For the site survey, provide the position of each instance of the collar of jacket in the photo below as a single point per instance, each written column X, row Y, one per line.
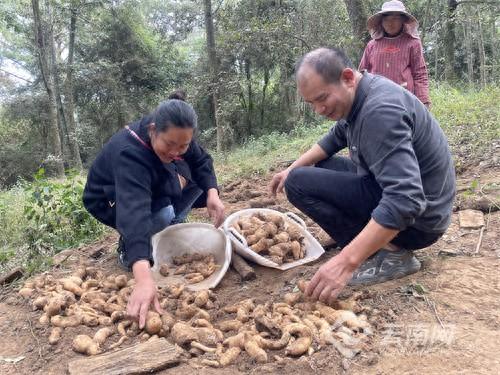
column 360, row 96
column 141, row 129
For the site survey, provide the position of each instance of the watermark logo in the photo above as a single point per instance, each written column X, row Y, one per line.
column 418, row 336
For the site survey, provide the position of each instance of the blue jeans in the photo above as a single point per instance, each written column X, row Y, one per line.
column 341, row 202
column 177, row 213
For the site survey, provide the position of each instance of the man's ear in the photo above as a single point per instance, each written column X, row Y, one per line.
column 348, row 76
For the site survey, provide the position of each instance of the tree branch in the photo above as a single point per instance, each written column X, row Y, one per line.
column 14, row 75
column 301, row 39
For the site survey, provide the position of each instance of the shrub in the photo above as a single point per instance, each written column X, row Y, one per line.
column 13, row 222
column 56, row 216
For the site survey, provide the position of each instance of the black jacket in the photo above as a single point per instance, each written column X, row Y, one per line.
column 127, row 183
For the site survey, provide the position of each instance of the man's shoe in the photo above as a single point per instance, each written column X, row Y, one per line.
column 385, row 265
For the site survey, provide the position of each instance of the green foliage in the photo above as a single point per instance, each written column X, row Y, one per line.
column 5, row 256
column 13, row 220
column 416, row 290
column 474, row 185
column 123, row 69
column 41, row 218
column 21, row 152
column 470, row 118
column 56, row 218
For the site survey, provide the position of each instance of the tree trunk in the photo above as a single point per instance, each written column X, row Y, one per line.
column 423, row 25
column 482, row 54
column 358, row 17
column 250, row 106
column 76, row 161
column 61, row 117
column 287, row 88
column 493, row 74
column 263, row 104
column 436, row 62
column 54, row 161
column 449, row 46
column 121, row 116
column 469, row 54
column 214, row 69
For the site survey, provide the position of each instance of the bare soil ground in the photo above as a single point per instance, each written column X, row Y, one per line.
column 444, row 319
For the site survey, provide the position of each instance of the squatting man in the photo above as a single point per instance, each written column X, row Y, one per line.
column 394, row 192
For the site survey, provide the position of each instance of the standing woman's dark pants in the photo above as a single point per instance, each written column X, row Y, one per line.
column 341, row 201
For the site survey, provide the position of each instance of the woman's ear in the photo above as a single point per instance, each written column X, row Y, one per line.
column 151, row 129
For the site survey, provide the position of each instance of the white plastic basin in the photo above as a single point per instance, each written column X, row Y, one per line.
column 313, row 248
column 179, row 239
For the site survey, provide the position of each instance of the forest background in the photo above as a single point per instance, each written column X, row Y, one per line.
column 73, row 72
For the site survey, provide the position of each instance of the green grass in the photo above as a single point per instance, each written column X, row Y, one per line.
column 13, row 221
column 469, row 116
column 258, row 155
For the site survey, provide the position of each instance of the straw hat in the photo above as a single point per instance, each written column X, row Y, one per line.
column 374, row 23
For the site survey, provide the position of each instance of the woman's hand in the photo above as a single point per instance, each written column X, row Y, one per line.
column 144, row 294
column 215, row 207
column 330, row 279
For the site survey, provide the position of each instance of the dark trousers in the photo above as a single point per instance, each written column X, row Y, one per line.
column 341, row 202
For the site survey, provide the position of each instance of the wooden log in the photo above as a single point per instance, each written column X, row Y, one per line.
column 146, row 357
column 241, row 266
column 12, row 275
column 261, row 203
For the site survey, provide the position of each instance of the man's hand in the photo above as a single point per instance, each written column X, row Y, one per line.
column 330, row 279
column 334, row 275
column 143, row 295
column 278, row 181
column 215, row 207
column 310, row 157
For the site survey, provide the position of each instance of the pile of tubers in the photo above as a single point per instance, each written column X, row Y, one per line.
column 195, row 267
column 88, row 298
column 272, row 236
column 296, row 326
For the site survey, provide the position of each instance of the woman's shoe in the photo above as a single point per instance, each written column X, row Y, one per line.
column 121, row 255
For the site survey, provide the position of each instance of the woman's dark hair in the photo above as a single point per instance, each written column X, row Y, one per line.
column 178, row 94
column 175, row 112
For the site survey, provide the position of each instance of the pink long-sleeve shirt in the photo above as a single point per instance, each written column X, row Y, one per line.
column 400, row 59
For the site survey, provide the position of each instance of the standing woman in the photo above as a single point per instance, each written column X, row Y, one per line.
column 147, row 177
column 395, row 50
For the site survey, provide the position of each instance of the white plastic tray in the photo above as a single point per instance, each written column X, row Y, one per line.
column 313, row 249
column 179, row 239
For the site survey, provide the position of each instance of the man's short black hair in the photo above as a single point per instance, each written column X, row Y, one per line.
column 328, row 62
